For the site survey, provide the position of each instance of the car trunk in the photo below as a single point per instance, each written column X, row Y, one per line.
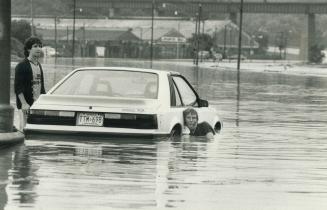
column 114, row 112
column 98, row 103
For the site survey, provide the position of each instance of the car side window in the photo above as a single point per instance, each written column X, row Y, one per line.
column 188, row 96
column 178, row 98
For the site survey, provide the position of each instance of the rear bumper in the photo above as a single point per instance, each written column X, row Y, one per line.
column 34, row 130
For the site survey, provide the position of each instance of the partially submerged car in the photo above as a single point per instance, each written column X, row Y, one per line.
column 118, row 101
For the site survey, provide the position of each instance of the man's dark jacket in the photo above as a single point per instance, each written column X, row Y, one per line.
column 202, row 129
column 23, row 82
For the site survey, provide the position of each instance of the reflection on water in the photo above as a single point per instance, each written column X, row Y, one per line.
column 270, row 155
column 5, row 165
column 116, row 173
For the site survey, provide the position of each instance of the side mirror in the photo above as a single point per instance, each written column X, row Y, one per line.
column 203, row 103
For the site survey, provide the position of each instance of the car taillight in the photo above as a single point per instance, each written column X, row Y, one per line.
column 52, row 113
column 51, row 117
column 128, row 120
column 120, row 116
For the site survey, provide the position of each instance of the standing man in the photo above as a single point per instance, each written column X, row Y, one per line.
column 193, row 128
column 29, row 80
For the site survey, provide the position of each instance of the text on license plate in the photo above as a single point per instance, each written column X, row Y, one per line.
column 90, row 119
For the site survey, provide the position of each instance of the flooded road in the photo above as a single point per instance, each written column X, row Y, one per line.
column 271, row 154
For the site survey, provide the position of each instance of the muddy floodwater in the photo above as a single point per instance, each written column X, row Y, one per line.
column 271, row 153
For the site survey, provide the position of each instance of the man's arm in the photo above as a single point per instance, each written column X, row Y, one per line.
column 25, row 105
column 42, row 80
column 19, row 85
column 209, row 131
column 19, row 79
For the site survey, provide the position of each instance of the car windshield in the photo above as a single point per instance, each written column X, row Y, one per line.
column 110, row 83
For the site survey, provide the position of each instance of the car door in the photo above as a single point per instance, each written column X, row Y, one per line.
column 185, row 96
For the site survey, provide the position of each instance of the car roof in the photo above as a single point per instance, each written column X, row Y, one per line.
column 156, row 71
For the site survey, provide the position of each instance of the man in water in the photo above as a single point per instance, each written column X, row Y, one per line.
column 191, row 119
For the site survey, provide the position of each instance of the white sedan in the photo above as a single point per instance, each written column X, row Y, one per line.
column 118, row 101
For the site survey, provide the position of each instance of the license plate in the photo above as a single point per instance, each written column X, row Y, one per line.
column 90, row 119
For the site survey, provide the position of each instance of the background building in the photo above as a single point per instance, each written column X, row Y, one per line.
column 130, row 38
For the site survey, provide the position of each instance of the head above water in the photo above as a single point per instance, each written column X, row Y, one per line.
column 190, row 111
column 29, row 43
column 191, row 118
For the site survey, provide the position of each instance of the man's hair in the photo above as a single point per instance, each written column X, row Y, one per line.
column 190, row 111
column 29, row 43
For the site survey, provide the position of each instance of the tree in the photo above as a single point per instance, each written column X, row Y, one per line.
column 16, row 49
column 41, row 7
column 315, row 54
column 205, row 41
column 281, row 42
column 263, row 40
column 21, row 30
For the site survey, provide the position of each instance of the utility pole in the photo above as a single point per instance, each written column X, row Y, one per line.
column 231, row 38
column 56, row 47
column 6, row 111
column 198, row 35
column 202, row 36
column 7, row 134
column 74, row 17
column 224, row 52
column 32, row 19
column 238, row 97
column 285, row 45
column 152, row 23
column 195, row 38
column 84, row 41
column 240, row 40
column 177, row 46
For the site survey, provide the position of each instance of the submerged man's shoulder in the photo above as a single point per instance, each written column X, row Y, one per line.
column 202, row 129
column 204, row 124
column 206, row 127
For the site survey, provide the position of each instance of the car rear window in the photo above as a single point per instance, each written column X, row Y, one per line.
column 110, row 83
